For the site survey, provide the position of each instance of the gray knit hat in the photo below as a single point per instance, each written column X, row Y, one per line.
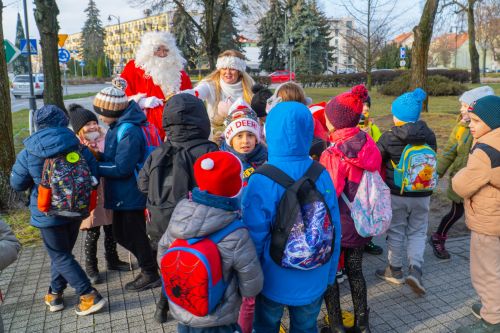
column 469, row 97
column 112, row 101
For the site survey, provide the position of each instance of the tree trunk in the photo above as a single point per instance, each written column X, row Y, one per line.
column 474, row 55
column 420, row 48
column 7, row 155
column 485, row 50
column 369, row 49
column 46, row 12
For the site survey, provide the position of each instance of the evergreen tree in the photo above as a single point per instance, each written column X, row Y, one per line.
column 92, row 35
column 310, row 30
column 21, row 63
column 186, row 38
column 271, row 29
column 100, row 67
column 229, row 34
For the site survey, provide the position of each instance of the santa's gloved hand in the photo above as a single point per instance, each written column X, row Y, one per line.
column 150, row 102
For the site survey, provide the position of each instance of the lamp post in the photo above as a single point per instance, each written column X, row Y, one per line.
column 110, row 17
column 32, row 97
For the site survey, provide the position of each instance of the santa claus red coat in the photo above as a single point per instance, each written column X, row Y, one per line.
column 138, row 82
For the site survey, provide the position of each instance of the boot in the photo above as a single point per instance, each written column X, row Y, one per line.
column 145, row 280
column 332, row 302
column 91, row 255
column 162, row 315
column 437, row 243
column 361, row 322
column 113, row 262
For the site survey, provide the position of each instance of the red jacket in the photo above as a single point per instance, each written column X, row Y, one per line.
column 353, row 151
column 137, row 83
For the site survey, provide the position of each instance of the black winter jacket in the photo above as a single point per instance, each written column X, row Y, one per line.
column 392, row 143
column 167, row 175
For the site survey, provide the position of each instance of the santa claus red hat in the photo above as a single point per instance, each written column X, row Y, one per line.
column 218, row 173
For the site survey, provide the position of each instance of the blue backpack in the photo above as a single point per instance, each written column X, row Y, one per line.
column 417, row 169
column 152, row 140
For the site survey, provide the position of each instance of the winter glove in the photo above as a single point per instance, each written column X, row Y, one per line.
column 150, row 102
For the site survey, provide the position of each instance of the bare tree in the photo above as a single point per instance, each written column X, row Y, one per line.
column 488, row 28
column 373, row 21
column 7, row 155
column 213, row 13
column 46, row 12
column 441, row 50
column 420, row 49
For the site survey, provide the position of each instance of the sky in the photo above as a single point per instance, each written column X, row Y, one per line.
column 72, row 17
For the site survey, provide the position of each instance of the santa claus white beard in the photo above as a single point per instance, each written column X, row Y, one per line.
column 165, row 73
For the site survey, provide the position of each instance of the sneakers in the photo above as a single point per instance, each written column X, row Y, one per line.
column 437, row 243
column 340, row 276
column 476, row 310
column 480, row 327
column 143, row 281
column 54, row 301
column 90, row 303
column 371, row 248
column 414, row 280
column 391, row 274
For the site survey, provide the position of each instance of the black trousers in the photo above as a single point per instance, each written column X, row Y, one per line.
column 129, row 230
column 455, row 213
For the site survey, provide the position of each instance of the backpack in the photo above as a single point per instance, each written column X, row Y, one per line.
column 191, row 272
column 417, row 169
column 302, row 235
column 152, row 140
column 371, row 208
column 67, row 186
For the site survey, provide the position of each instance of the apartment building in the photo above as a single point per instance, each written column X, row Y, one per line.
column 340, row 30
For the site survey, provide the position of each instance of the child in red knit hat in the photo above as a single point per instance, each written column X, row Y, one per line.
column 214, row 207
column 353, row 151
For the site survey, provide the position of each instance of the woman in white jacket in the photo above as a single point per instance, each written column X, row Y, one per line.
column 223, row 87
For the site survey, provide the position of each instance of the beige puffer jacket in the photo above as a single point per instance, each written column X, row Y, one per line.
column 479, row 184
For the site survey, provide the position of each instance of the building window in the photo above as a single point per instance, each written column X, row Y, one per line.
column 349, row 24
column 336, row 32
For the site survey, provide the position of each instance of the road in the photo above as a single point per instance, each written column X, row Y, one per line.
column 23, row 103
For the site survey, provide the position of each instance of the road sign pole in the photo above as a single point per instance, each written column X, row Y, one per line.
column 32, row 98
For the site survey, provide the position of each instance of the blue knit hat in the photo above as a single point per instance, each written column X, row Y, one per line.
column 50, row 116
column 408, row 106
column 488, row 110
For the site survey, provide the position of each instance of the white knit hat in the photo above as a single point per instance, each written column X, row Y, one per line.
column 241, row 118
column 469, row 97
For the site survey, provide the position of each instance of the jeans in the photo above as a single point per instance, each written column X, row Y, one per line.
column 234, row 328
column 59, row 242
column 303, row 319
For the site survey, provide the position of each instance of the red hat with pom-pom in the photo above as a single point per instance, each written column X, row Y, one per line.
column 218, row 173
column 344, row 110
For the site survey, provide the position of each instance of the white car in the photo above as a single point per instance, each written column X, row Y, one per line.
column 20, row 85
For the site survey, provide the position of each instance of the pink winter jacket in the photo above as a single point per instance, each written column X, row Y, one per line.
column 352, row 152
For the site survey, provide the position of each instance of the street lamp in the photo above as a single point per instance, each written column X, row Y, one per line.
column 110, row 17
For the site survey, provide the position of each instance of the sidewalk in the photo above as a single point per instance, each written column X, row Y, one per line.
column 445, row 307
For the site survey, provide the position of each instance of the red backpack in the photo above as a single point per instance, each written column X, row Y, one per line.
column 191, row 272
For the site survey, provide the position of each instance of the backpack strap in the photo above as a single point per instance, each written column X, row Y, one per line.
column 275, row 174
column 314, row 171
column 122, row 128
column 346, row 200
column 219, row 235
column 492, row 153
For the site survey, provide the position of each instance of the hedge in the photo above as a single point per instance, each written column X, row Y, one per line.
column 437, row 85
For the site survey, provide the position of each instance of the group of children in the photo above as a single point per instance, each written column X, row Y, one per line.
column 238, row 195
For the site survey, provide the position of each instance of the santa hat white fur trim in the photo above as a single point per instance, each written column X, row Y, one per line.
column 231, row 62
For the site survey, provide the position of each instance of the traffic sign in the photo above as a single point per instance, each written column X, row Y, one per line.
column 24, row 47
column 61, row 39
column 402, row 52
column 82, row 63
column 11, row 51
column 64, row 55
column 402, row 63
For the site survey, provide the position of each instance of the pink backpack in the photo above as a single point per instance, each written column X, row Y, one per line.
column 371, row 209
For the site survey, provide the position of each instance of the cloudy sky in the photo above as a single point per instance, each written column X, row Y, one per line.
column 72, row 17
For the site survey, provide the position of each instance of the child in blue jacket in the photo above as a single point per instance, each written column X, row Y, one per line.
column 289, row 133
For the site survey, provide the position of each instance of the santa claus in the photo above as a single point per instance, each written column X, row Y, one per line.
column 155, row 75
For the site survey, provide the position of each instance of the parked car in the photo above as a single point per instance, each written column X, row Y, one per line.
column 21, row 85
column 281, row 76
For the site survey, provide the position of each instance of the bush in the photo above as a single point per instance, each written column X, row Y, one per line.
column 437, row 85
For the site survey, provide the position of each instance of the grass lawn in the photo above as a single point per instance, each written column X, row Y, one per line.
column 441, row 118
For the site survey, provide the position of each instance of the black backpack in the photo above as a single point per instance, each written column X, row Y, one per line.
column 302, row 235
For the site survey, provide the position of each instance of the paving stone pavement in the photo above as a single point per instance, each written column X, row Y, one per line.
column 444, row 308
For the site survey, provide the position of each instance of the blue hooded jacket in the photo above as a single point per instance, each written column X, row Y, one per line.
column 51, row 138
column 120, row 160
column 289, row 134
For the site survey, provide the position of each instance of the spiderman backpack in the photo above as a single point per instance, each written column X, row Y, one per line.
column 191, row 272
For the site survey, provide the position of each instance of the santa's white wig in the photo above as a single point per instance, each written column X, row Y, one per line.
column 165, row 72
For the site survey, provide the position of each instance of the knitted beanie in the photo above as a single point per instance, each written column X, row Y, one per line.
column 241, row 118
column 344, row 110
column 488, row 110
column 408, row 106
column 49, row 116
column 79, row 117
column 218, row 173
column 259, row 100
column 469, row 97
column 112, row 101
